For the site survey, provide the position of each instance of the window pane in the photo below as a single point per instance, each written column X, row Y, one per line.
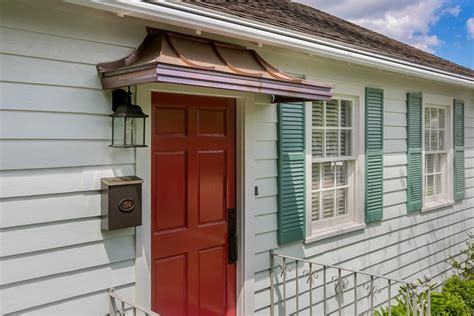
column 427, row 140
column 341, row 174
column 317, row 143
column 346, row 114
column 318, row 114
column 316, row 176
column 331, row 113
column 439, row 160
column 328, row 175
column 345, row 142
column 328, row 204
column 331, row 143
column 442, row 118
column 441, row 140
column 434, row 140
column 434, row 118
column 430, row 185
column 427, row 117
column 430, row 163
column 341, row 202
column 438, row 184
column 315, row 205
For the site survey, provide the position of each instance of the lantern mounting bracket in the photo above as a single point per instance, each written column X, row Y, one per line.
column 120, row 96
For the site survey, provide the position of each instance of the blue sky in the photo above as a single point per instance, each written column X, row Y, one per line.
column 441, row 27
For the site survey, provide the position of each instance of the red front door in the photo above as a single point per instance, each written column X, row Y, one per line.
column 193, row 186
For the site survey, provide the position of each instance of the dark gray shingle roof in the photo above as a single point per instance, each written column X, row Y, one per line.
column 308, row 20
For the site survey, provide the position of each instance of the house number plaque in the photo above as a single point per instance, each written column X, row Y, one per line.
column 127, row 205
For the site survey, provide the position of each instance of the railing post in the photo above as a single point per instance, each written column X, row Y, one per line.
column 371, row 289
column 355, row 293
column 389, row 297
column 414, row 302
column 311, row 289
column 284, row 285
column 272, row 284
column 324, row 291
column 428, row 302
column 341, row 292
column 297, row 290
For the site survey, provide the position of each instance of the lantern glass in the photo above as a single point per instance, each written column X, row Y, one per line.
column 118, row 132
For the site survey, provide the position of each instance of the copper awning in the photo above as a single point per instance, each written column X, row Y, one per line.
column 176, row 58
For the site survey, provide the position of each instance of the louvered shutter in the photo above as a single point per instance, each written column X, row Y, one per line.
column 414, row 154
column 373, row 154
column 458, row 150
column 291, row 172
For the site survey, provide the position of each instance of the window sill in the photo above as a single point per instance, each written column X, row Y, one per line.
column 435, row 206
column 334, row 231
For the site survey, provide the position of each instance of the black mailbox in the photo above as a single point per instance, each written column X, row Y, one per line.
column 121, row 202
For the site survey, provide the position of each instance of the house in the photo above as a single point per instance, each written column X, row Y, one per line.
column 274, row 131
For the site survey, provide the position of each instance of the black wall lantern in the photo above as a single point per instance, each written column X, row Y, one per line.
column 128, row 121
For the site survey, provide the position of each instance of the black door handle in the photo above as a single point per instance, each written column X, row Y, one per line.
column 232, row 235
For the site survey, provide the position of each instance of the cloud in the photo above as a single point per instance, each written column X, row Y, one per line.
column 454, row 11
column 470, row 27
column 408, row 21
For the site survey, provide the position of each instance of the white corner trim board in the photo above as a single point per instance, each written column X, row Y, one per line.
column 184, row 15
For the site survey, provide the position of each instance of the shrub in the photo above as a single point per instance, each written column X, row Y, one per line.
column 464, row 288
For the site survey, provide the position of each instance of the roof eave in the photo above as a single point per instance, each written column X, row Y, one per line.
column 182, row 14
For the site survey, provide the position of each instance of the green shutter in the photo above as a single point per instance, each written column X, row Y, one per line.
column 458, row 150
column 414, row 154
column 291, row 172
column 373, row 154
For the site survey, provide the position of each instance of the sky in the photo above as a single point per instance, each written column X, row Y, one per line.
column 442, row 27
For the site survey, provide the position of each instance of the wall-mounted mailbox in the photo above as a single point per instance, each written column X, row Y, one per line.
column 121, row 202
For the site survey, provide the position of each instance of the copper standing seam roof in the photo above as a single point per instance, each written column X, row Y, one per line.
column 183, row 59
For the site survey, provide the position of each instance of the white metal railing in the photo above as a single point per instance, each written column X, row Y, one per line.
column 120, row 306
column 307, row 287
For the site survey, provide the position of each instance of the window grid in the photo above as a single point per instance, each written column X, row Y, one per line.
column 339, row 164
column 435, row 150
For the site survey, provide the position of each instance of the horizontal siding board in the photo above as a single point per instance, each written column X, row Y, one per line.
column 46, row 153
column 394, row 146
column 68, row 21
column 35, row 154
column 87, row 304
column 60, row 180
column 27, row 97
column 265, row 168
column 265, row 205
column 43, row 71
column 51, row 208
column 28, row 239
column 267, row 131
column 266, row 150
column 387, row 230
column 395, row 119
column 47, row 125
column 56, row 261
column 48, row 290
column 26, row 43
column 267, row 187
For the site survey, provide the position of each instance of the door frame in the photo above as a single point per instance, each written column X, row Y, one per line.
column 245, row 165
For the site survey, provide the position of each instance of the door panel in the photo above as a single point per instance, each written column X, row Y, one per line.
column 193, row 185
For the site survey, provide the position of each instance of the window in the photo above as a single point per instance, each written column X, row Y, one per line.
column 332, row 163
column 436, row 151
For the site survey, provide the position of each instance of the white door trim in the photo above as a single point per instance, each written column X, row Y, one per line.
column 245, row 168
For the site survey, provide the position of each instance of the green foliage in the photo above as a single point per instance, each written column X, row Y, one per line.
column 445, row 303
column 463, row 288
column 456, row 297
column 464, row 266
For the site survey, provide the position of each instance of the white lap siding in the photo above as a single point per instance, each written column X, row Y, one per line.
column 54, row 137
column 401, row 245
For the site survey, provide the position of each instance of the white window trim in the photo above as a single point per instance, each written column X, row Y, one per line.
column 356, row 178
column 449, row 177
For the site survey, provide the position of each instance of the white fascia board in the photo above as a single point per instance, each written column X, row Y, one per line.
column 185, row 15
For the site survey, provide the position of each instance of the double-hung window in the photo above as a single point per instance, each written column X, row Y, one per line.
column 436, row 149
column 332, row 163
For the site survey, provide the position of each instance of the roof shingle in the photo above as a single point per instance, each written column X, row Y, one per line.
column 308, row 20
